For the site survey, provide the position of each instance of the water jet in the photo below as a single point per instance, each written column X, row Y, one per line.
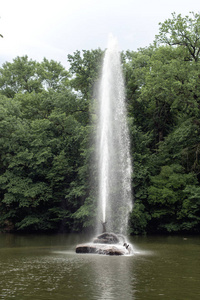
column 113, row 159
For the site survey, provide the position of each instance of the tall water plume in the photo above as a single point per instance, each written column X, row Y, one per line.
column 113, row 145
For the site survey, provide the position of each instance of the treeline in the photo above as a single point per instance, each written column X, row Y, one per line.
column 46, row 145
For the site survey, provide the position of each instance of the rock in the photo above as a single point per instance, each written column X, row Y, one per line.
column 106, row 243
column 101, row 249
column 101, row 241
column 107, row 238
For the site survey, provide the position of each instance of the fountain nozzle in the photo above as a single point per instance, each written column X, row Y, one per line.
column 104, row 226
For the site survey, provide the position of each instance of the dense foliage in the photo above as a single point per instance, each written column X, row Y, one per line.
column 46, row 146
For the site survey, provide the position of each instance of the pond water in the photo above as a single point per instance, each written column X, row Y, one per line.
column 47, row 267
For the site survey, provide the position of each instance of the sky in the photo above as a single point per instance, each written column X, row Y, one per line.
column 56, row 28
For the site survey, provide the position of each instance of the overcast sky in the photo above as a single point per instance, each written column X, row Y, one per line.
column 55, row 28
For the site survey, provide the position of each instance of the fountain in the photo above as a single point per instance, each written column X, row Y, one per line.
column 113, row 156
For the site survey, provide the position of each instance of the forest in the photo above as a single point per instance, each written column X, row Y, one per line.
column 46, row 146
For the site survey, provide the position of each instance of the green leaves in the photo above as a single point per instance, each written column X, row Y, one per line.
column 46, row 149
column 163, row 103
column 19, row 76
column 182, row 31
column 86, row 68
column 53, row 75
column 27, row 76
column 22, row 190
column 167, row 196
column 41, row 138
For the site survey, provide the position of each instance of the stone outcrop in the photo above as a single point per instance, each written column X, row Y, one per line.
column 107, row 238
column 101, row 249
column 107, row 244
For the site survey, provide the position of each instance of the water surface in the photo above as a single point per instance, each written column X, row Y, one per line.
column 47, row 267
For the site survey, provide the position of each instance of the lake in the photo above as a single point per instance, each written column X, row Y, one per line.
column 47, row 267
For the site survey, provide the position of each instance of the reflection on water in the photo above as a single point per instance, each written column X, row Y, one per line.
column 46, row 267
column 113, row 277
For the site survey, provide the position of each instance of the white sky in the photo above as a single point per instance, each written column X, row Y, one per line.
column 55, row 28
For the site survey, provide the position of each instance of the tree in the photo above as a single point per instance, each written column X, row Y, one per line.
column 163, row 102
column 143, row 168
column 43, row 173
column 46, row 149
column 19, row 76
column 169, row 196
column 182, row 31
column 53, row 75
column 85, row 68
column 27, row 76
